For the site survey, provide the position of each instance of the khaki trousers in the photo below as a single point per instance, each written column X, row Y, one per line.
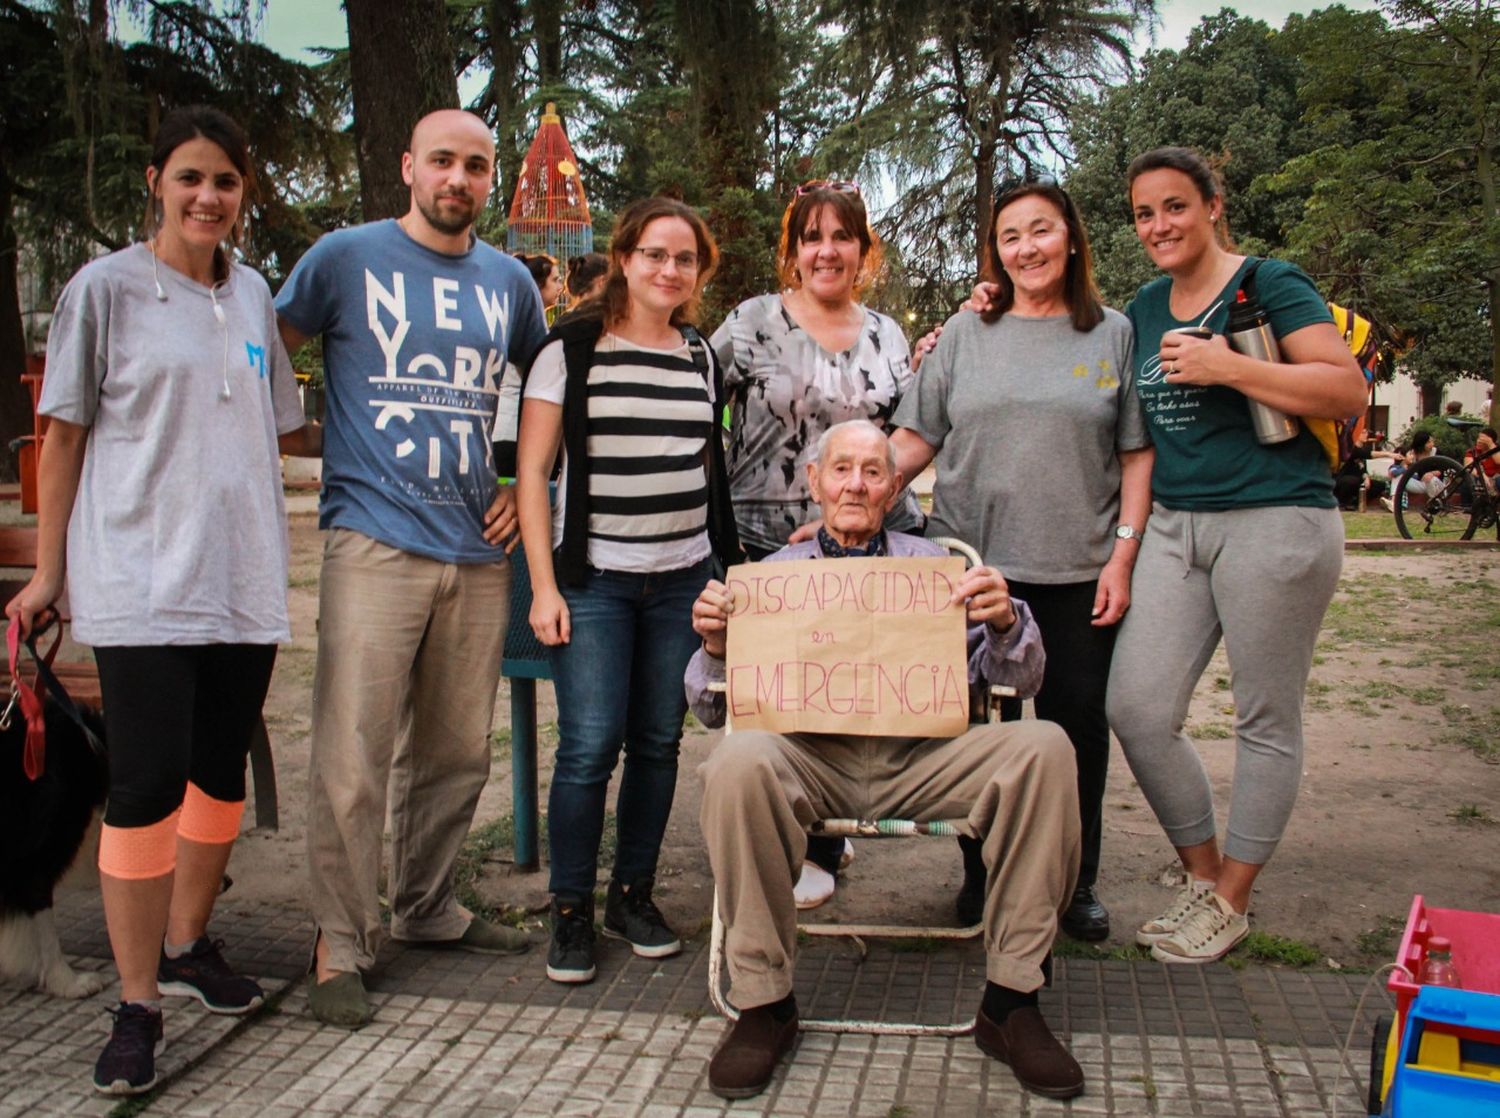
column 408, row 664
column 1011, row 783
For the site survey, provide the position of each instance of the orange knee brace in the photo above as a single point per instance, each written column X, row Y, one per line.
column 137, row 853
column 205, row 819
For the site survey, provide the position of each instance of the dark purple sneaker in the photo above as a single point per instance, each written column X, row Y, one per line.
column 127, row 1066
column 203, row 974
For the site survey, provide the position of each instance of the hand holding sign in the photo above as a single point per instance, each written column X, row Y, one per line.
column 711, row 617
column 849, row 646
column 988, row 598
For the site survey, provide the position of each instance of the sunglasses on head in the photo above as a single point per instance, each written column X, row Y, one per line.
column 838, row 186
column 1031, row 178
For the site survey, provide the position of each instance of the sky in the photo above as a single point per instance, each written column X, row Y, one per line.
column 291, row 26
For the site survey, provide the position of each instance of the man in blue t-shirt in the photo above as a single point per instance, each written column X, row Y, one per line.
column 418, row 318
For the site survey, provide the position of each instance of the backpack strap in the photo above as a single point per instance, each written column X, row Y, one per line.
column 1247, row 281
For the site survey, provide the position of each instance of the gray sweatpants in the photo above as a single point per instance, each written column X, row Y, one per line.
column 1261, row 578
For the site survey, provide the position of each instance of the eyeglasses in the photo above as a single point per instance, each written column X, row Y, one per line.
column 658, row 257
column 838, row 186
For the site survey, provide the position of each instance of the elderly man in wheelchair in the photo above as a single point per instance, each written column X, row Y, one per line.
column 1010, row 784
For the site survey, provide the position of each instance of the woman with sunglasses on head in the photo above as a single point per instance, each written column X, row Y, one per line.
column 796, row 362
column 160, row 497
column 1245, row 544
column 630, row 394
column 1043, row 375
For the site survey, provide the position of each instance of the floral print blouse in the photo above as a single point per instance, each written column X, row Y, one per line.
column 784, row 391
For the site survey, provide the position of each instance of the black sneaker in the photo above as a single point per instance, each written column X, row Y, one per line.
column 203, row 974
column 634, row 917
column 570, row 958
column 127, row 1066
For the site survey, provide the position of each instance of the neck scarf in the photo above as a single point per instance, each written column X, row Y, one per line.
column 832, row 549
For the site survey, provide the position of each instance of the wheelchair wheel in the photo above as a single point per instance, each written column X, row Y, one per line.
column 1442, row 509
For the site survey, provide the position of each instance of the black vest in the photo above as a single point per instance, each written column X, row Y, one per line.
column 579, row 335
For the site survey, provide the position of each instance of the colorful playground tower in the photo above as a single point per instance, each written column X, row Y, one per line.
column 549, row 212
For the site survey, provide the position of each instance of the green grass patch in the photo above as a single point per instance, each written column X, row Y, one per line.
column 1476, row 731
column 1372, row 524
column 1380, row 941
column 1209, row 731
column 1066, row 947
column 1427, row 696
column 1264, row 947
column 1469, row 815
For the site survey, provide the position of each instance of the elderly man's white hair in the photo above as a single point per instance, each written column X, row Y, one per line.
column 825, row 440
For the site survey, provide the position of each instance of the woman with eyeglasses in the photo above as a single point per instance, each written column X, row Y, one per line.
column 1245, row 544
column 632, row 396
column 796, row 362
column 1043, row 375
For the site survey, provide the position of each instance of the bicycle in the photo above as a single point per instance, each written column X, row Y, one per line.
column 1454, row 499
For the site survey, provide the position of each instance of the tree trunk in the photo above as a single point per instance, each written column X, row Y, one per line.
column 729, row 47
column 400, row 69
column 505, row 67
column 984, row 201
column 15, row 399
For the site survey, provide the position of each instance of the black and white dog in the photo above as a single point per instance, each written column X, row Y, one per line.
column 42, row 825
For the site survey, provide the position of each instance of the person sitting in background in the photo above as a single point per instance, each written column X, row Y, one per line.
column 1484, row 442
column 1421, row 447
column 1354, row 475
column 1008, row 784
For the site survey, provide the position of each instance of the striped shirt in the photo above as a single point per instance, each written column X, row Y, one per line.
column 650, row 414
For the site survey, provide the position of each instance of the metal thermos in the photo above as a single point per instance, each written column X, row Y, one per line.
column 1249, row 332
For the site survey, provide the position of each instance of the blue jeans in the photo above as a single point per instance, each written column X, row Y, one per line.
column 619, row 682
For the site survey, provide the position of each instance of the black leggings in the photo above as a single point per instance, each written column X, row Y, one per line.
column 174, row 713
column 1072, row 694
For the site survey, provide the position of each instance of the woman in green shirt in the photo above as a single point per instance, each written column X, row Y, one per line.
column 1244, row 543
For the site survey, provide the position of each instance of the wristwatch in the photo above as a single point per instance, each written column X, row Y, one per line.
column 1126, row 532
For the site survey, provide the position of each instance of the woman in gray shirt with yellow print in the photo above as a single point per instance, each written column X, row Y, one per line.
column 1043, row 462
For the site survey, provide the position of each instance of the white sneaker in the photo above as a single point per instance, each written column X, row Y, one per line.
column 814, row 886
column 847, row 856
column 1191, row 895
column 1206, row 934
column 1387, row 504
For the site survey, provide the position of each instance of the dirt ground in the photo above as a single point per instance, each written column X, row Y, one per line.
column 1401, row 790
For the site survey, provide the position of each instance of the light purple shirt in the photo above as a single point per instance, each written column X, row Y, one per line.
column 1014, row 658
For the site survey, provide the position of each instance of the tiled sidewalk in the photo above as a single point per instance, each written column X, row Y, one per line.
column 460, row 1034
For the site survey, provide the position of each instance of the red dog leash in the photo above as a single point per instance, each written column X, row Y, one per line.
column 31, row 699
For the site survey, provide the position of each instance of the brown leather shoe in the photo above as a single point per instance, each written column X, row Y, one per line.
column 747, row 1055
column 1039, row 1059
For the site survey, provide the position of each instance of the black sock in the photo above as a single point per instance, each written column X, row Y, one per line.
column 973, row 851
column 999, row 1001
column 825, row 851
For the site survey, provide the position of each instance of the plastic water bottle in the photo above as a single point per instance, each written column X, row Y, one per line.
column 1437, row 967
column 1249, row 332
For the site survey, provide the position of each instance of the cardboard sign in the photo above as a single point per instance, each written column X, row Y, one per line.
column 848, row 646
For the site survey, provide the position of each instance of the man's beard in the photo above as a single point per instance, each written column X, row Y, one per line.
column 445, row 224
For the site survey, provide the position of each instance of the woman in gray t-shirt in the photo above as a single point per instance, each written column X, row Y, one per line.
column 160, row 500
column 1043, row 462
